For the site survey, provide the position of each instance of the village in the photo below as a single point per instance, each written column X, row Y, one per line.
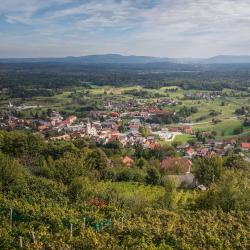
column 127, row 125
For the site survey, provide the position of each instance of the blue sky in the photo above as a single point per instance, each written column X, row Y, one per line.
column 173, row 28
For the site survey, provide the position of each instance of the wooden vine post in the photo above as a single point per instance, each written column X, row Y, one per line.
column 11, row 217
column 33, row 238
column 20, row 241
column 71, row 230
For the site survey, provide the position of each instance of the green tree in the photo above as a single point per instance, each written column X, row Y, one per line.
column 144, row 131
column 231, row 193
column 209, row 169
column 15, row 143
column 68, row 167
column 11, row 173
column 97, row 161
column 81, row 188
column 170, row 198
column 235, row 161
column 153, row 176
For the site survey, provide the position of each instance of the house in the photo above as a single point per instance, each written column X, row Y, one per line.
column 183, row 180
column 114, row 114
column 180, row 165
column 187, row 130
column 41, row 128
column 201, row 187
column 75, row 135
column 65, row 137
column 76, row 128
column 159, row 112
column 12, row 125
column 202, row 152
column 69, row 120
column 113, row 138
column 211, row 153
column 151, row 144
column 245, row 146
column 90, row 130
column 55, row 118
column 123, row 139
column 190, row 152
column 134, row 128
column 184, row 146
column 127, row 161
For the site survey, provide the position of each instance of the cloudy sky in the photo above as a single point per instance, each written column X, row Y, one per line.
column 173, row 28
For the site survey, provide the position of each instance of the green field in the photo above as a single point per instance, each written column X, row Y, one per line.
column 224, row 129
column 183, row 138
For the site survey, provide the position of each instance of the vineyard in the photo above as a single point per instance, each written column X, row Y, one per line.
column 64, row 195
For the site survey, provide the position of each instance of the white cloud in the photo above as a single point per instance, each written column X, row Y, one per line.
column 159, row 27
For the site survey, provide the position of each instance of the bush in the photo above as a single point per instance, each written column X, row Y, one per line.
column 12, row 173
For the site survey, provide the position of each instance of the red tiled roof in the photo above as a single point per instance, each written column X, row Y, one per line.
column 181, row 164
column 113, row 138
column 159, row 112
column 42, row 127
column 245, row 145
column 69, row 119
column 190, row 151
column 153, row 145
column 115, row 114
column 127, row 161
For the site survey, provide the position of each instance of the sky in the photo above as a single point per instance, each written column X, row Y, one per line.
column 163, row 28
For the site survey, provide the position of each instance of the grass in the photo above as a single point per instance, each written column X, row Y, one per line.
column 137, row 193
column 183, row 138
column 223, row 129
column 247, row 153
column 133, row 191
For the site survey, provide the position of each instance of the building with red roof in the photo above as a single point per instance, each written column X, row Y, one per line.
column 69, row 120
column 190, row 152
column 180, row 165
column 245, row 146
column 127, row 161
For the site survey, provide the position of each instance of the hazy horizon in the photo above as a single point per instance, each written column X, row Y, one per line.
column 159, row 28
column 66, row 56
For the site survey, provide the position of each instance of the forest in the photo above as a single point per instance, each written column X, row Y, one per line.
column 33, row 79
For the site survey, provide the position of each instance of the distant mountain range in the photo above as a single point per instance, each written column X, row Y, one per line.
column 120, row 59
column 228, row 59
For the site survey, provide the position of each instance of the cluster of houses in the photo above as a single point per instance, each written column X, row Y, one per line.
column 211, row 148
column 121, row 106
column 104, row 132
column 22, row 107
column 104, row 127
column 202, row 96
column 167, row 101
column 12, row 122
